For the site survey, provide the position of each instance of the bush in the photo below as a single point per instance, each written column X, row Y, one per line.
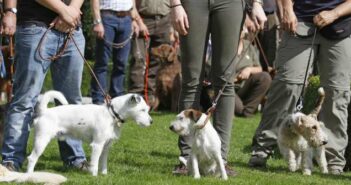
column 311, row 94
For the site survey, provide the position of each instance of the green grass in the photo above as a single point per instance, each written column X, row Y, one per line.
column 147, row 156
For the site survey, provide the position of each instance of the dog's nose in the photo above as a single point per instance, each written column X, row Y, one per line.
column 151, row 121
column 324, row 142
column 171, row 127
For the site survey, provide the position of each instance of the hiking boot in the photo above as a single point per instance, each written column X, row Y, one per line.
column 230, row 171
column 257, row 161
column 10, row 166
column 180, row 169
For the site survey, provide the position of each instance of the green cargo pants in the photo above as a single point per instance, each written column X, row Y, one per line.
column 334, row 65
column 223, row 19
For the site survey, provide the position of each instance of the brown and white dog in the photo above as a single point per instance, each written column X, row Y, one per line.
column 205, row 155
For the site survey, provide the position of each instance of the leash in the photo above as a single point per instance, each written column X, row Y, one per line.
column 211, row 110
column 120, row 44
column 68, row 38
column 299, row 104
column 146, row 73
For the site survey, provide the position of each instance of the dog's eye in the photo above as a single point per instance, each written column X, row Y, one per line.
column 314, row 127
column 180, row 118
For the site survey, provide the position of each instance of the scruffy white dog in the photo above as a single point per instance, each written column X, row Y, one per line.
column 35, row 177
column 206, row 147
column 96, row 124
column 302, row 137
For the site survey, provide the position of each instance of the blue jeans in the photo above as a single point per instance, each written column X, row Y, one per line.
column 117, row 30
column 28, row 81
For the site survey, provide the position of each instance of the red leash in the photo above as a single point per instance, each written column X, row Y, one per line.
column 147, row 63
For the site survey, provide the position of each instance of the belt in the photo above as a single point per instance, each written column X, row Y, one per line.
column 39, row 24
column 116, row 13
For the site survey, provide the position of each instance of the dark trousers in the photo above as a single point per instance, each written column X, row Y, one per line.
column 251, row 94
column 159, row 29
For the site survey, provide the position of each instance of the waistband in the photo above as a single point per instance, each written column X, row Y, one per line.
column 116, row 13
column 39, row 24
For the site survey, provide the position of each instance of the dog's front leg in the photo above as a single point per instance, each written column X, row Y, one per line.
column 292, row 160
column 220, row 164
column 104, row 156
column 306, row 162
column 321, row 159
column 95, row 156
column 195, row 166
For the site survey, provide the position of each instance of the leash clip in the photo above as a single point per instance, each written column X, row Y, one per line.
column 299, row 104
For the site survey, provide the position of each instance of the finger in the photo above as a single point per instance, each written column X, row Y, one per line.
column 186, row 21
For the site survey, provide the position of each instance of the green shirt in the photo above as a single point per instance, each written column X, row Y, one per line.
column 153, row 7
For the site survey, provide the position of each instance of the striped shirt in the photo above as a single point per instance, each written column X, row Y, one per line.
column 116, row 5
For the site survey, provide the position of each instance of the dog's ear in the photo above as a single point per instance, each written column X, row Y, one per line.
column 172, row 56
column 135, row 99
column 193, row 114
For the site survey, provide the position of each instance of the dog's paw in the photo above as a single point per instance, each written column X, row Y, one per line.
column 324, row 170
column 197, row 176
column 225, row 177
column 292, row 167
column 104, row 172
column 307, row 172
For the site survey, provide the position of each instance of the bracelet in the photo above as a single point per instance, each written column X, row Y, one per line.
column 97, row 21
column 173, row 6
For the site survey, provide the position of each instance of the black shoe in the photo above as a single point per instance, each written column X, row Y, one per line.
column 257, row 161
column 230, row 171
column 82, row 166
column 180, row 169
column 10, row 166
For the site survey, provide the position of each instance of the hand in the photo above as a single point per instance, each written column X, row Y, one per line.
column 71, row 15
column 325, row 18
column 143, row 28
column 61, row 25
column 180, row 20
column 258, row 16
column 135, row 28
column 250, row 25
column 288, row 21
column 99, row 30
column 8, row 25
column 244, row 74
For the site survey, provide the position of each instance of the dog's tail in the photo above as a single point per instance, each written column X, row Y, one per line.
column 49, row 97
column 35, row 177
column 320, row 101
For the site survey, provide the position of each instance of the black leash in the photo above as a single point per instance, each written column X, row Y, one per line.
column 299, row 104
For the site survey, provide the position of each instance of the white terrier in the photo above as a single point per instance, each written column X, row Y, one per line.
column 302, row 137
column 96, row 124
column 35, row 177
column 206, row 147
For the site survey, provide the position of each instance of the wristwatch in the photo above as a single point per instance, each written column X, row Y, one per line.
column 13, row 10
column 97, row 21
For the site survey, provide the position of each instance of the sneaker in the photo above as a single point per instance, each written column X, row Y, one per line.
column 230, row 171
column 180, row 169
column 10, row 166
column 257, row 161
column 335, row 171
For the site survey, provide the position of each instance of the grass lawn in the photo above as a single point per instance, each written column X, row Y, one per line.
column 147, row 156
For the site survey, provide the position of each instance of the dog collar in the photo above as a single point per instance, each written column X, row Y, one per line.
column 115, row 114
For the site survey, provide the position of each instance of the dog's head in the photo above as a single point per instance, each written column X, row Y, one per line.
column 309, row 128
column 187, row 121
column 165, row 52
column 133, row 106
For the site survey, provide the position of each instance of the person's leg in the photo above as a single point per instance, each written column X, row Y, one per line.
column 67, row 78
column 137, row 66
column 253, row 91
column 335, row 66
column 28, row 80
column 120, row 56
column 291, row 63
column 193, row 47
column 102, row 56
column 226, row 23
